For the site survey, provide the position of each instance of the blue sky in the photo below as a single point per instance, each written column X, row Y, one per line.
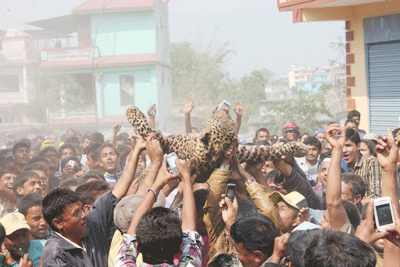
column 260, row 35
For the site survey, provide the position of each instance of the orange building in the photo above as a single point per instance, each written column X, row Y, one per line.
column 372, row 53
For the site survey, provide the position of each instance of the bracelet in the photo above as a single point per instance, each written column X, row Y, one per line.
column 154, row 192
column 249, row 181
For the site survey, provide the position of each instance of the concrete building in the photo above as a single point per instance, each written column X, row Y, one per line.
column 372, row 53
column 118, row 52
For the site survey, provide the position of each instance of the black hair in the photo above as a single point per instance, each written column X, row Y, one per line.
column 97, row 137
column 21, row 179
column 18, row 145
column 303, row 134
column 37, row 166
column 71, row 182
column 353, row 136
column 65, row 146
column 72, row 140
column 55, row 202
column 25, row 141
column 371, row 146
column 200, row 197
column 67, row 159
column 88, row 192
column 323, row 156
column 104, row 146
column 352, row 212
column 352, row 121
column 313, row 141
column 159, row 235
column 37, row 159
column 46, row 149
column 395, row 131
column 93, row 151
column 257, row 232
column 261, row 130
column 297, row 245
column 334, row 248
column 8, row 169
column 353, row 113
column 2, row 233
column 93, row 173
column 356, row 181
column 29, row 201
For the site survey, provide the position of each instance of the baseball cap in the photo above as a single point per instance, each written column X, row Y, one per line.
column 294, row 199
column 13, row 222
column 371, row 136
column 125, row 209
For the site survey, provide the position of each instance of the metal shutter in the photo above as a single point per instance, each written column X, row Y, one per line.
column 384, row 85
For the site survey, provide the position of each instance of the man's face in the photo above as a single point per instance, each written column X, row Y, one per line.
column 352, row 126
column 268, row 166
column 323, row 172
column 245, row 257
column 357, row 119
column 37, row 223
column 21, row 156
column 141, row 166
column 351, row 152
column 15, row 241
column 67, row 152
column 73, row 221
column 69, row 134
column 52, row 158
column 86, row 143
column 347, row 193
column 324, row 222
column 327, row 147
column 291, row 135
column 262, row 136
column 33, row 185
column 286, row 216
column 321, row 137
column 313, row 153
column 109, row 160
column 7, row 180
column 45, row 182
column 90, row 162
column 364, row 149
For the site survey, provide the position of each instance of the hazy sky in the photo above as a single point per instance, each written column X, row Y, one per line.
column 261, row 36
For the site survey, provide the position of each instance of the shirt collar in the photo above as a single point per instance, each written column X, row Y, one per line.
column 71, row 242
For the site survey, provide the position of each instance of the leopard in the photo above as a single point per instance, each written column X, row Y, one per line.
column 206, row 148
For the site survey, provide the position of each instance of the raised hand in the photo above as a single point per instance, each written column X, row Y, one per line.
column 229, row 210
column 238, row 109
column 334, row 139
column 154, row 148
column 116, row 128
column 387, row 151
column 189, row 104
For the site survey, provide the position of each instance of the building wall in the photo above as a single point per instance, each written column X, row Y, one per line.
column 145, row 81
column 358, row 90
column 124, row 33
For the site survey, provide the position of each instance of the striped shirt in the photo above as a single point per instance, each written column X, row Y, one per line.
column 371, row 173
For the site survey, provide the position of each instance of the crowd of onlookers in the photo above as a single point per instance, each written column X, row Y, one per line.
column 87, row 201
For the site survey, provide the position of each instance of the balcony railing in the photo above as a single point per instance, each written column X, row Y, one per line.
column 13, row 98
column 72, row 53
column 81, row 112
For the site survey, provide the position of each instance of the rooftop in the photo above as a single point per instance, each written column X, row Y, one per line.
column 97, row 6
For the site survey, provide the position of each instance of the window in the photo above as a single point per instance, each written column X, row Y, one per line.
column 127, row 90
column 9, row 83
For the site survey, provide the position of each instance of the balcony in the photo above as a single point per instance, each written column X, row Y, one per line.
column 81, row 112
column 13, row 98
column 71, row 53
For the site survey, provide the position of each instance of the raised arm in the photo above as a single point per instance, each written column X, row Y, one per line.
column 116, row 129
column 152, row 116
column 187, row 108
column 387, row 153
column 189, row 206
column 337, row 214
column 122, row 186
column 239, row 114
column 156, row 155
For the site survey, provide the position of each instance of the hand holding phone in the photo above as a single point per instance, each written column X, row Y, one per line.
column 171, row 162
column 383, row 211
column 224, row 105
column 230, row 191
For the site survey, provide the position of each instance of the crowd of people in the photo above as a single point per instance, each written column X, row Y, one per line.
column 87, row 201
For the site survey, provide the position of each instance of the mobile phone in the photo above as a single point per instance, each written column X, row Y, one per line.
column 152, row 110
column 72, row 163
column 171, row 162
column 383, row 211
column 224, row 105
column 22, row 251
column 230, row 191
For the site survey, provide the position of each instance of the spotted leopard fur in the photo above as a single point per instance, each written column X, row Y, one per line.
column 206, row 147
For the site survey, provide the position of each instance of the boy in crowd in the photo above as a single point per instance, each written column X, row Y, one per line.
column 21, row 152
column 26, row 183
column 109, row 160
column 31, row 207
